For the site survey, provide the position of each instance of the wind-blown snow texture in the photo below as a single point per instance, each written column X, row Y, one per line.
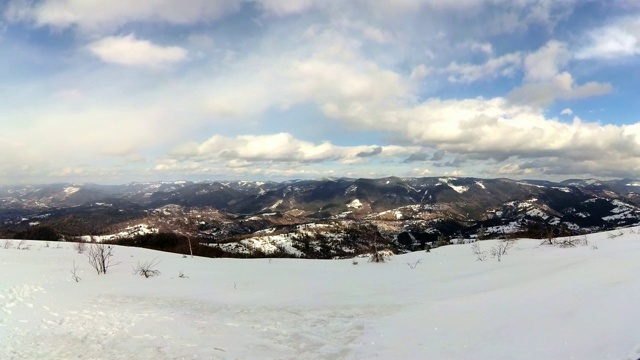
column 540, row 302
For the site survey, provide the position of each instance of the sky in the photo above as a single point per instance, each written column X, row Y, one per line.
column 120, row 91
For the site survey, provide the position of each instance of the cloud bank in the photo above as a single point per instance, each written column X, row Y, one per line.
column 124, row 91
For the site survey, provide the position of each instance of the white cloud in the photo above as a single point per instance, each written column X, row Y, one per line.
column 129, row 51
column 374, row 67
column 612, row 42
column 503, row 66
column 545, row 63
column 566, row 111
column 561, row 86
column 96, row 15
column 483, row 47
column 282, row 147
column 544, row 82
column 286, row 7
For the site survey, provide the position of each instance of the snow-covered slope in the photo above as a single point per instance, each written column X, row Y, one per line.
column 539, row 302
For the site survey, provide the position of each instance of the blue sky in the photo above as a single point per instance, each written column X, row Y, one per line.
column 121, row 91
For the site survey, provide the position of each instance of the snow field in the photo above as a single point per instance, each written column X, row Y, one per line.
column 539, row 302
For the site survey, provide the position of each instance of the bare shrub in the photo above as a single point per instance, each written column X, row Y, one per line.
column 549, row 235
column 480, row 255
column 100, row 257
column 568, row 242
column 500, row 249
column 618, row 234
column 354, row 262
column 22, row 245
column 413, row 266
column 147, row 269
column 584, row 241
column 8, row 244
column 182, row 275
column 378, row 257
column 80, row 247
column 74, row 272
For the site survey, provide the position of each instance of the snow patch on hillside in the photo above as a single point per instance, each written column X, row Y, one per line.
column 563, row 189
column 128, row 232
column 274, row 206
column 458, row 189
column 351, row 189
column 532, row 185
column 355, row 204
column 265, row 244
column 71, row 190
column 621, row 211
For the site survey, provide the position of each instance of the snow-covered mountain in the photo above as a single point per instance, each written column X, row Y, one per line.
column 421, row 207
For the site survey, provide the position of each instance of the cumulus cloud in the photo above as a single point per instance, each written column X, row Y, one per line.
column 504, row 66
column 129, row 51
column 545, row 63
column 377, row 68
column 282, row 147
column 286, row 7
column 96, row 15
column 544, row 81
column 613, row 41
column 561, row 86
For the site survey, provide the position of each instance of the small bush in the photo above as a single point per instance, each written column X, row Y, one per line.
column 22, row 245
column 147, row 269
column 480, row 255
column 74, row 273
column 569, row 242
column 501, row 249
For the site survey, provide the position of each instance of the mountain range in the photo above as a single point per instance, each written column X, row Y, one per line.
column 421, row 208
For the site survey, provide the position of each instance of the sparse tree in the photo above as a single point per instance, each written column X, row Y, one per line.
column 501, row 248
column 100, row 257
column 372, row 234
column 190, row 248
column 480, row 255
column 74, row 272
column 549, row 235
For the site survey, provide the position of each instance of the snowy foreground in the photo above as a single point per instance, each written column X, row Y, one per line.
column 539, row 302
